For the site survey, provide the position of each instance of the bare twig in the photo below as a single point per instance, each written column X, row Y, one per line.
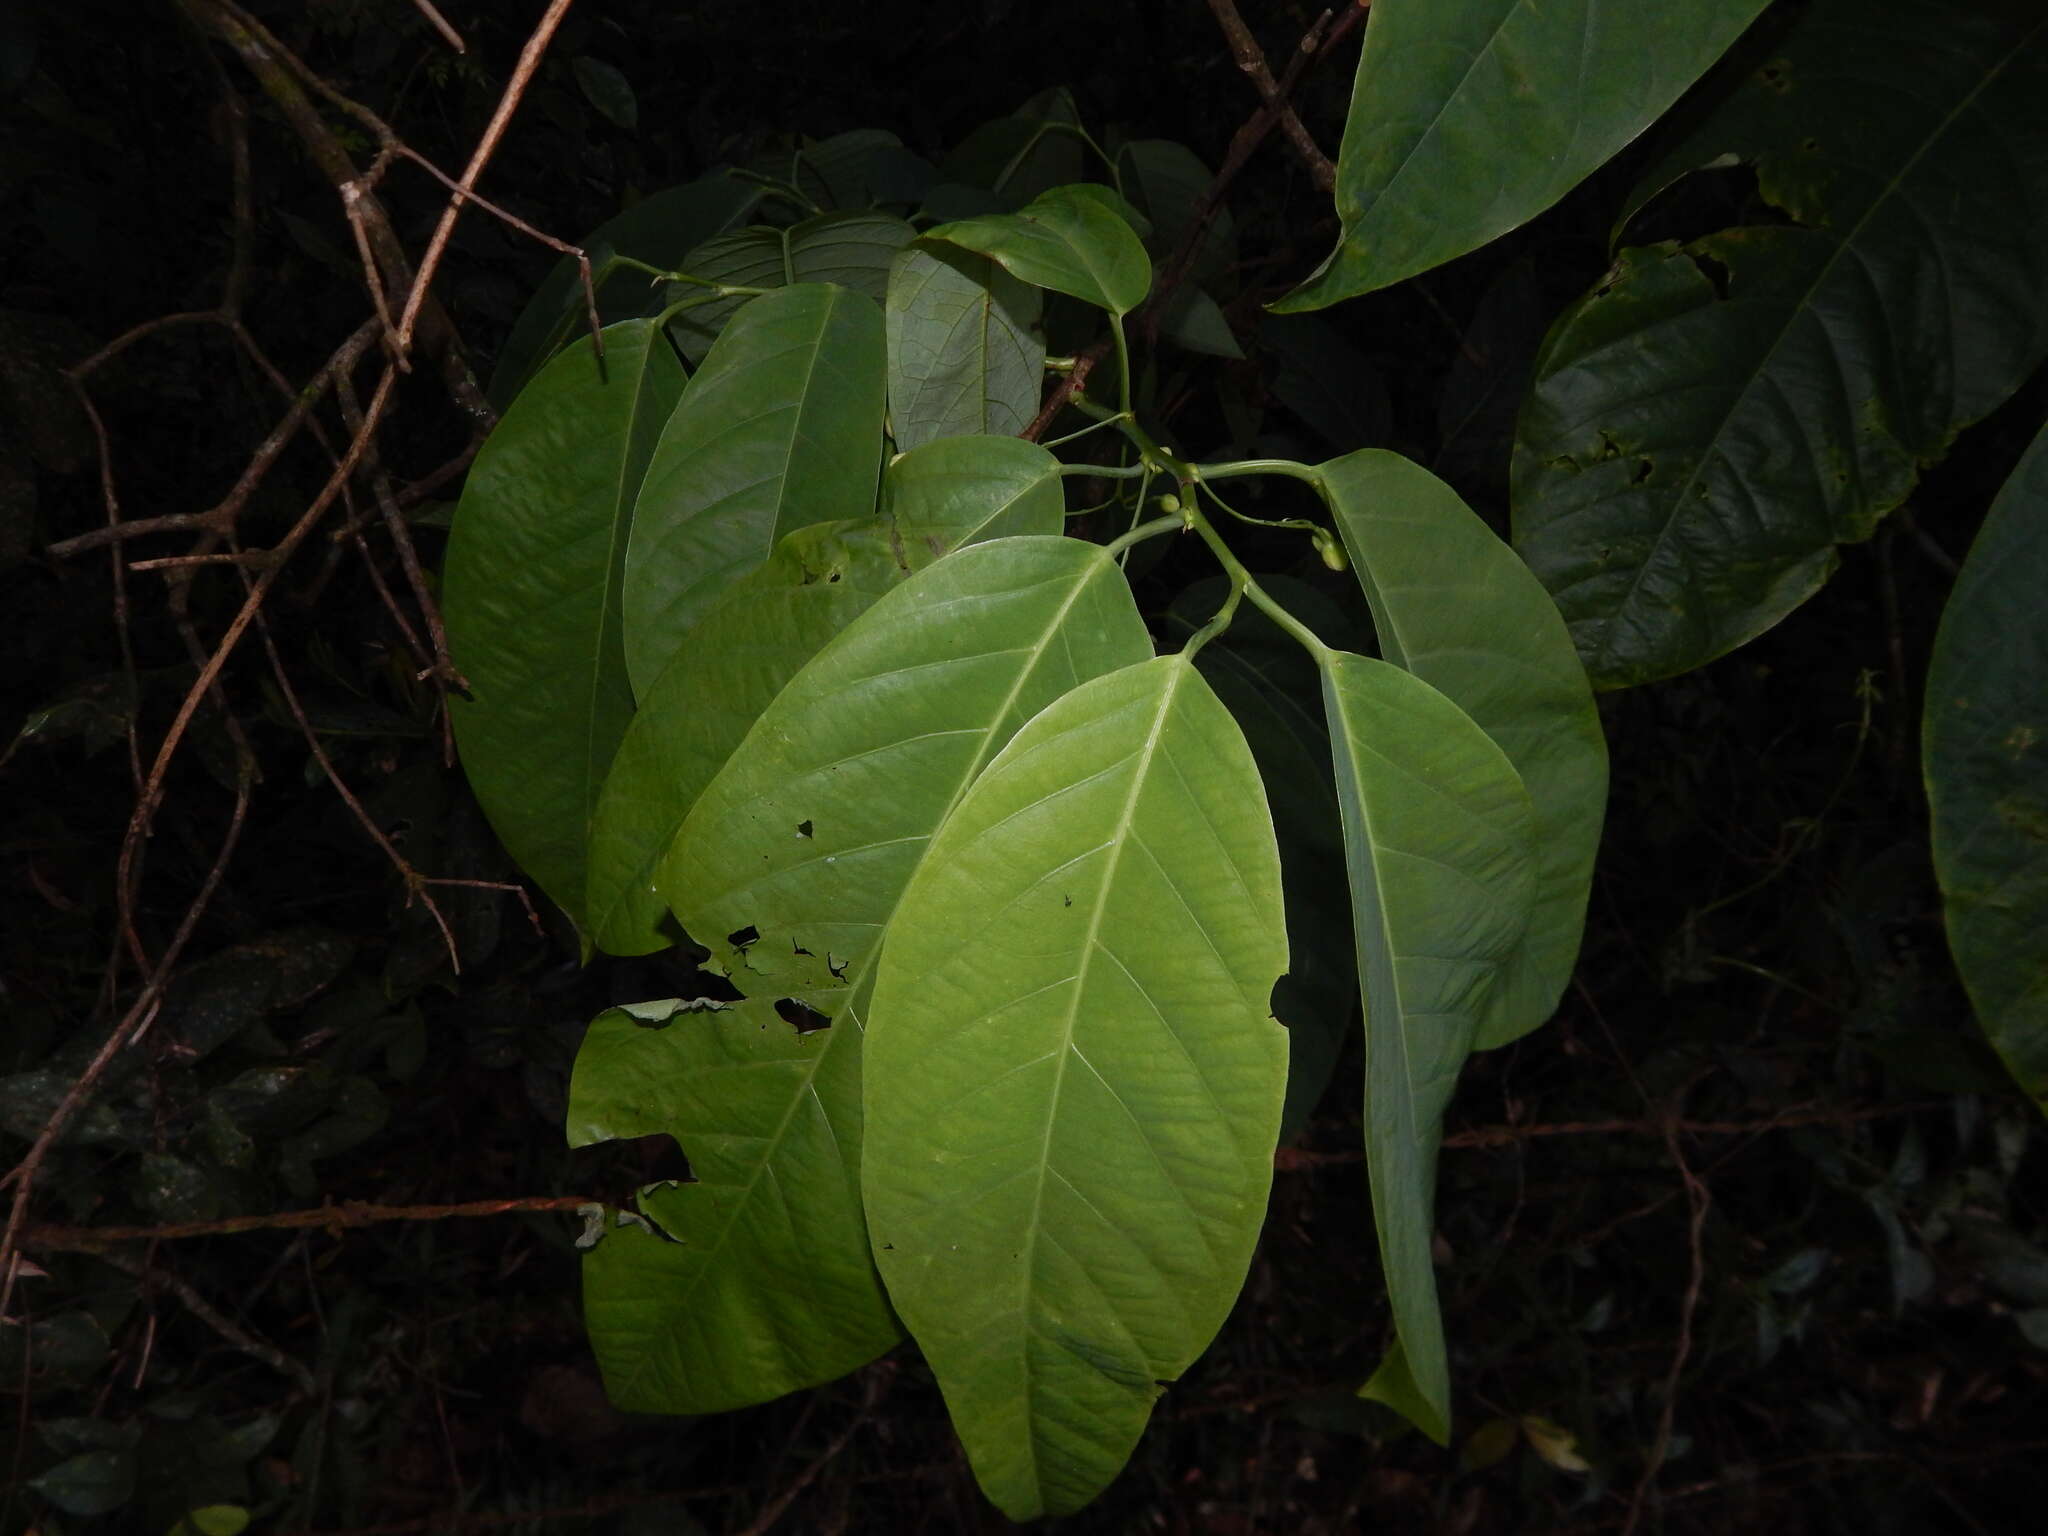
column 440, row 23
column 879, row 1375
column 233, row 1333
column 1698, row 1199
column 350, row 1213
column 1252, row 60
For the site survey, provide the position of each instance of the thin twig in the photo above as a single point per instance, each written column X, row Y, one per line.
column 879, row 1376
column 440, row 22
column 349, row 1213
column 233, row 1333
column 1252, row 60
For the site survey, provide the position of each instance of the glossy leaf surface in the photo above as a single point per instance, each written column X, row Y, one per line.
column 965, row 352
column 1711, row 421
column 790, row 867
column 781, row 428
column 1068, row 240
column 852, row 248
column 1439, row 844
column 1458, row 608
column 1986, row 752
column 1469, row 117
column 1073, row 1079
column 532, row 592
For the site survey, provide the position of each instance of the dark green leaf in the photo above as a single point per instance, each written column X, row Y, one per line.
column 1019, row 156
column 1985, row 744
column 606, row 89
column 1454, row 605
column 91, row 1483
column 1469, row 117
column 1439, row 841
column 532, row 592
column 1168, row 181
column 781, row 428
column 1712, row 420
column 1073, row 1079
column 966, row 354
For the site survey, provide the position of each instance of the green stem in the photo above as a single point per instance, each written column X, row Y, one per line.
column 1218, row 623
column 1173, row 522
column 1242, row 467
column 1261, row 599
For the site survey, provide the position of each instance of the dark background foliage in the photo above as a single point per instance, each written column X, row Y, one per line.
column 1757, row 1209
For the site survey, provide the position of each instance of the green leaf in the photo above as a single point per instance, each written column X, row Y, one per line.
column 1067, row 240
column 1439, row 842
column 835, row 173
column 765, row 1285
column 606, row 89
column 1456, row 607
column 1019, row 156
column 1985, row 746
column 1190, row 319
column 1713, row 419
column 1168, row 181
column 660, row 230
column 727, row 669
column 853, row 249
column 1074, row 1081
column 532, row 593
column 967, row 490
column 213, row 1520
column 966, row 354
column 1469, row 117
column 780, row 428
column 91, row 1483
column 789, row 867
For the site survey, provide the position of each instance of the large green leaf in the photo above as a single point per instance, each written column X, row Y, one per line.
column 532, row 595
column 1069, row 240
column 1073, row 1078
column 1713, row 419
column 1454, row 605
column 972, row 489
column 1986, row 751
column 1168, row 181
column 781, row 428
column 1439, row 840
column 758, row 1281
column 853, row 249
column 1469, row 117
column 965, row 351
column 730, row 666
column 1019, row 156
column 725, row 672
column 660, row 230
column 789, row 867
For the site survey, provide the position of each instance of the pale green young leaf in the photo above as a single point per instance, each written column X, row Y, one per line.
column 1074, row 1080
column 532, row 592
column 1440, row 845
column 1068, row 240
column 780, row 428
column 1459, row 609
column 1470, row 117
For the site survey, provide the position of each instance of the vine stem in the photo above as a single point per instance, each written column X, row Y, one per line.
column 350, row 1213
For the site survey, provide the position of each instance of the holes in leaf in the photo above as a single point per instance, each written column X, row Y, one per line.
column 801, row 1016
column 1066, row 901
column 740, row 938
column 1776, row 76
column 803, row 828
column 836, row 966
column 1643, row 468
column 796, row 948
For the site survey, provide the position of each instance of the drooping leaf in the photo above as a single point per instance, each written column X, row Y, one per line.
column 836, row 173
column 532, row 592
column 1168, row 181
column 1073, row 1080
column 1067, row 240
column 726, row 670
column 789, row 867
column 1469, row 117
column 780, row 428
column 1713, row 419
column 853, row 249
column 1985, row 744
column 660, row 230
column 1439, row 842
column 965, row 351
column 1455, row 606
column 967, row 490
